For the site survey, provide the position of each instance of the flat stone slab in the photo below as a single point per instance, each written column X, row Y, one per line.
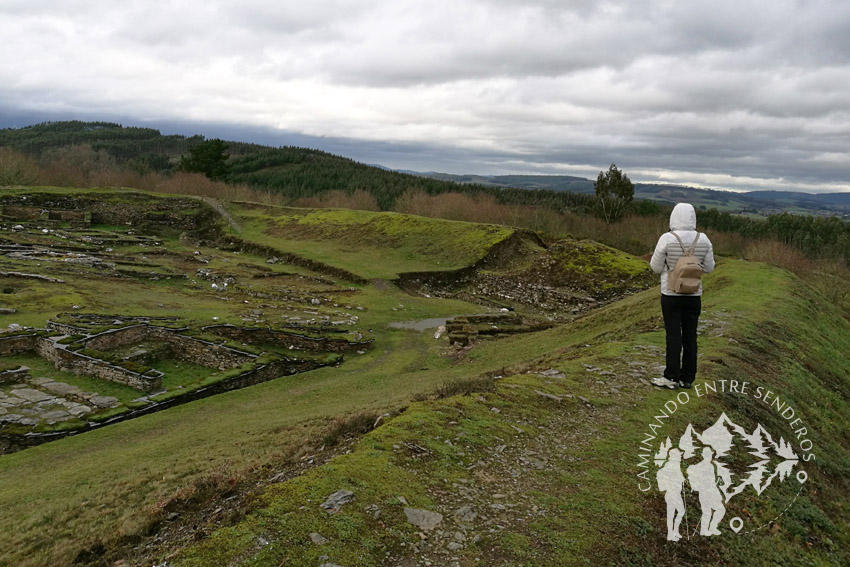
column 336, row 500
column 31, row 395
column 79, row 410
column 55, row 415
column 424, row 519
column 61, row 388
column 11, row 418
column 104, row 401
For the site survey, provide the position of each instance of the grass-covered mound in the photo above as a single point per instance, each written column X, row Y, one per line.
column 542, row 469
column 371, row 245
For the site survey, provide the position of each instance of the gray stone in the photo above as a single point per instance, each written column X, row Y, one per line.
column 424, row 519
column 28, row 421
column 454, row 546
column 61, row 388
column 549, row 396
column 79, row 410
column 31, row 395
column 465, row 514
column 552, row 373
column 318, row 539
column 11, row 417
column 335, row 501
column 55, row 415
column 104, row 401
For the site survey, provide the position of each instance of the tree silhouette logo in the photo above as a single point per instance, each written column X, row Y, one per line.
column 703, row 472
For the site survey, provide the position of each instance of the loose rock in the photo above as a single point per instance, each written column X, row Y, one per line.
column 335, row 501
column 424, row 519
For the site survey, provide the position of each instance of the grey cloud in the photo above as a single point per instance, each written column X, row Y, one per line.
column 750, row 89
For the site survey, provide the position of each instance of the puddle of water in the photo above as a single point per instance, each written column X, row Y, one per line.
column 425, row 324
column 421, row 324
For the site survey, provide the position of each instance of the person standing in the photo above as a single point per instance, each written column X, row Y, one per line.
column 703, row 481
column 671, row 482
column 681, row 311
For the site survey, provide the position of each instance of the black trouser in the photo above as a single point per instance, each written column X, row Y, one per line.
column 681, row 316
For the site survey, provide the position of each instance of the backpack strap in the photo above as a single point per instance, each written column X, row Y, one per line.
column 684, row 252
column 689, row 251
column 693, row 246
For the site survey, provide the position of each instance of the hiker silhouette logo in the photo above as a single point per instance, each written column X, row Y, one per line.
column 707, row 473
column 714, row 481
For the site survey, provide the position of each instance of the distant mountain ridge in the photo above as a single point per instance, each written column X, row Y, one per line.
column 763, row 202
column 303, row 172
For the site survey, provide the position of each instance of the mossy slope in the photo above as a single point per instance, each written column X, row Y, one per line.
column 581, row 506
column 371, row 245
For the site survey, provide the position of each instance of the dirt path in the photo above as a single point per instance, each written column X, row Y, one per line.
column 219, row 208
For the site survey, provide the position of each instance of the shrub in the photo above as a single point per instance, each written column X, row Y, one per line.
column 16, row 168
column 346, row 427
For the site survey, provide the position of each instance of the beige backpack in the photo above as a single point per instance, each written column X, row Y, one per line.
column 686, row 274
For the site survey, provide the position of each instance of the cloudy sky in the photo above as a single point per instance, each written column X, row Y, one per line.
column 726, row 94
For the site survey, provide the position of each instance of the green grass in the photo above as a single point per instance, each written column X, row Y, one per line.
column 179, row 373
column 354, row 240
column 40, row 368
column 594, row 507
column 59, row 498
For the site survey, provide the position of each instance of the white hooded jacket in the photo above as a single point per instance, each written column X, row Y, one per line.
column 683, row 220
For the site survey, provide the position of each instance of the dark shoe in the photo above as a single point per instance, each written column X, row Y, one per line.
column 686, row 385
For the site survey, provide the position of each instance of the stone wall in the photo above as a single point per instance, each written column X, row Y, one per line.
column 80, row 364
column 14, row 376
column 61, row 215
column 183, row 213
column 17, row 212
column 196, row 351
column 259, row 335
column 17, row 344
column 257, row 375
column 64, row 328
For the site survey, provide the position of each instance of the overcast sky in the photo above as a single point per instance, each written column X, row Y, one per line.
column 726, row 94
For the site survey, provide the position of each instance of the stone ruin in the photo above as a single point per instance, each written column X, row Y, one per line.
column 119, row 354
column 77, row 219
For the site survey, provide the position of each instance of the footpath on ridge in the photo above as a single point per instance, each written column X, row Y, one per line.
column 537, row 463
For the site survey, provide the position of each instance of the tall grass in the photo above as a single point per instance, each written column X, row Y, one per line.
column 359, row 200
column 81, row 166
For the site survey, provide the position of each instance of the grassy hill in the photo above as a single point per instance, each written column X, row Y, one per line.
column 371, row 245
column 540, row 470
column 526, row 442
column 164, row 257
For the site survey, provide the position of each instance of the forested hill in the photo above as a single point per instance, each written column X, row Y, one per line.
column 754, row 202
column 302, row 172
column 294, row 171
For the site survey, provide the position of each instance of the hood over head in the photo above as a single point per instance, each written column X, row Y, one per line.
column 683, row 217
